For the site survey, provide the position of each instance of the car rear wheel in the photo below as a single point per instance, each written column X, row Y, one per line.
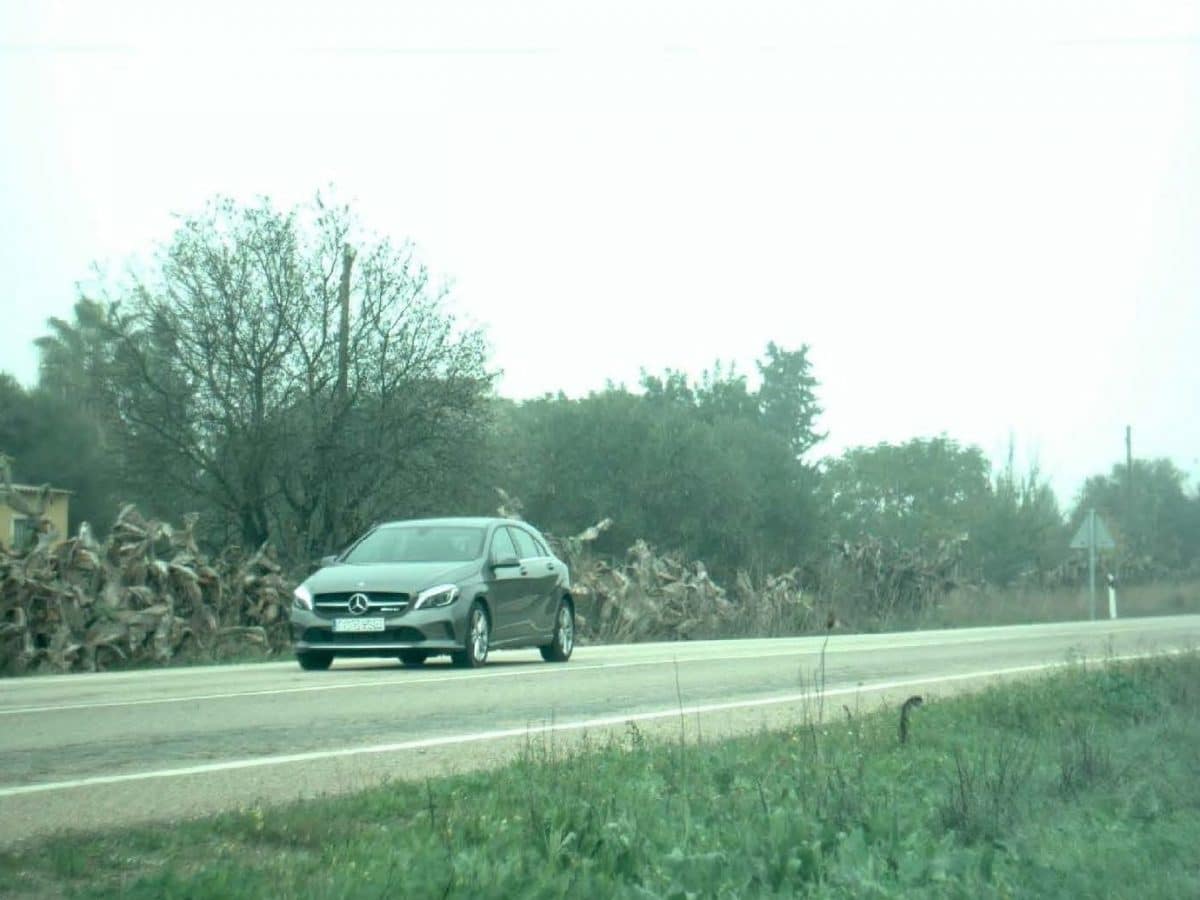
column 314, row 660
column 478, row 637
column 413, row 657
column 559, row 650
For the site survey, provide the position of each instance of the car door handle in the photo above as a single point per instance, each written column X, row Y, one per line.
column 550, row 566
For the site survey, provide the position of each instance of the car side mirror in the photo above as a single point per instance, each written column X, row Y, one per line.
column 509, row 562
column 329, row 560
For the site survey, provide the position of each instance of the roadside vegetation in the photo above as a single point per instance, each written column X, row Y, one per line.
column 1084, row 783
column 273, row 381
column 981, row 606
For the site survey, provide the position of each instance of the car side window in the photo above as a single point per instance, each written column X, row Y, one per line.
column 502, row 546
column 526, row 548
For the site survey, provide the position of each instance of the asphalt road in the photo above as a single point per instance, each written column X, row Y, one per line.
column 90, row 751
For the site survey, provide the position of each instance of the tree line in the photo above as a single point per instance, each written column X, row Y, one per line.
column 294, row 378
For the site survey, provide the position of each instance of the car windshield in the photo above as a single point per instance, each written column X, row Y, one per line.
column 419, row 543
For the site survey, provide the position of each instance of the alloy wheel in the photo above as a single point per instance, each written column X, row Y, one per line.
column 566, row 630
column 479, row 635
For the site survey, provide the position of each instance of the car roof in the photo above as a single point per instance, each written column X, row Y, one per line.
column 476, row 521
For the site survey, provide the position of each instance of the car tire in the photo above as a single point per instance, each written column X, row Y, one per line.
column 314, row 660
column 413, row 658
column 478, row 639
column 559, row 649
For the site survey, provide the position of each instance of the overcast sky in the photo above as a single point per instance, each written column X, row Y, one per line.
column 983, row 217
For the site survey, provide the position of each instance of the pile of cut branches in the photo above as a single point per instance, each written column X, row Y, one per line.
column 146, row 594
column 649, row 597
column 878, row 579
column 779, row 606
column 653, row 596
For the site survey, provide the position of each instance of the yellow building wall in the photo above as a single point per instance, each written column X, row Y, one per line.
column 57, row 513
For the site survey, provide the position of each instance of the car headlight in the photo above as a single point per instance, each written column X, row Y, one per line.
column 302, row 598
column 442, row 595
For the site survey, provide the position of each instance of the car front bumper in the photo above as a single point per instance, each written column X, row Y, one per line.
column 439, row 630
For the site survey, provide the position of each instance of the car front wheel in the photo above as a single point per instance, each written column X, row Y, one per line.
column 559, row 650
column 478, row 637
column 314, row 660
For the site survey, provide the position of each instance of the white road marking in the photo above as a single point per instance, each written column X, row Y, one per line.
column 887, row 639
column 501, row 734
column 419, row 680
column 391, row 682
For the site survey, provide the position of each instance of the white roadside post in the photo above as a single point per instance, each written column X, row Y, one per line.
column 1093, row 535
column 1112, row 595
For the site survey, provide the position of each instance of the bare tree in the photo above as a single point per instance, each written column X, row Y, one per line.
column 299, row 385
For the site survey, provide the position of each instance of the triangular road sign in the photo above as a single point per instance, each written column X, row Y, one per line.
column 1082, row 539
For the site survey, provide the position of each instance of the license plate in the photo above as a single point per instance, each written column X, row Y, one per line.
column 344, row 625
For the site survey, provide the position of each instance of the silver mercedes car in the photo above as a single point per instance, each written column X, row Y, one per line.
column 422, row 588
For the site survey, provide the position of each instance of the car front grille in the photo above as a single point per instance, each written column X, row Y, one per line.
column 367, row 639
column 377, row 602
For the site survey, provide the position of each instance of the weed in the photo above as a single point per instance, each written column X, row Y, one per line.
column 1084, row 760
column 986, row 789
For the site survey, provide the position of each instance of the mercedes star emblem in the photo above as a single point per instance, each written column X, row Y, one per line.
column 359, row 604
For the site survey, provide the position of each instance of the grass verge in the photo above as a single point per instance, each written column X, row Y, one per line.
column 972, row 607
column 1085, row 783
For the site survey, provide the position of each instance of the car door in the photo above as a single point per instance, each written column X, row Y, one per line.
column 507, row 585
column 540, row 601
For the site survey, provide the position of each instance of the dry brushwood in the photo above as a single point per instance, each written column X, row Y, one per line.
column 648, row 596
column 146, row 594
column 510, row 507
column 777, row 605
column 887, row 578
column 653, row 596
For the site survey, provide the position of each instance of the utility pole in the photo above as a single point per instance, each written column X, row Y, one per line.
column 1129, row 526
column 1128, row 474
column 1092, row 562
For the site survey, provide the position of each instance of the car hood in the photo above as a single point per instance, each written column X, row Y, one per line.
column 409, row 578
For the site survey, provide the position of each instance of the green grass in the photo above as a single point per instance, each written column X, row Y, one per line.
column 1085, row 783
